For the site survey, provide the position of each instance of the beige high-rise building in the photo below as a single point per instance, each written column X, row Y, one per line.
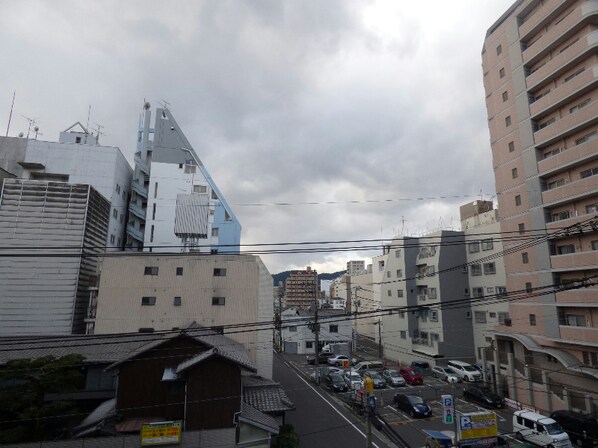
column 540, row 65
column 301, row 289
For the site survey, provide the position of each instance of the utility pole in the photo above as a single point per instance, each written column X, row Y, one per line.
column 380, row 353
column 280, row 294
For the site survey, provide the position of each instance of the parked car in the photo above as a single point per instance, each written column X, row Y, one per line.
column 465, row 371
column 393, row 378
column 353, row 380
column 339, row 360
column 335, row 382
column 421, row 367
column 445, row 374
column 410, row 376
column 369, row 365
column 413, row 404
column 322, row 358
column 379, row 382
column 484, row 396
column 582, row 428
column 325, row 370
column 539, row 430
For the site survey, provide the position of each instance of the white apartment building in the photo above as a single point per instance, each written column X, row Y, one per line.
column 145, row 292
column 355, row 267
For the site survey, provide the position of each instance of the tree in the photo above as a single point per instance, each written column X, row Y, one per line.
column 287, row 437
column 24, row 413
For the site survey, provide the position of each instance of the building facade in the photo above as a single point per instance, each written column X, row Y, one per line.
column 143, row 292
column 540, row 69
column 175, row 204
column 50, row 236
column 302, row 289
column 355, row 267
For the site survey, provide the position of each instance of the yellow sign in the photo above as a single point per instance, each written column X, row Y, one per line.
column 161, row 433
column 477, row 425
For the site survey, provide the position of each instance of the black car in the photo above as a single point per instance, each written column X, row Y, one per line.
column 335, row 382
column 322, row 358
column 413, row 404
column 582, row 428
column 484, row 396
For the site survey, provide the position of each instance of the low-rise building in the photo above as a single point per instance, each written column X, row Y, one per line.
column 298, row 334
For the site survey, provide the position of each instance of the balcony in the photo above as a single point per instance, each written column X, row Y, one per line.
column 134, row 233
column 577, row 296
column 573, row 190
column 572, row 156
column 549, row 9
column 568, row 124
column 579, row 334
column 561, row 62
column 563, row 93
column 137, row 210
column 559, row 32
column 576, row 260
column 143, row 167
column 139, row 189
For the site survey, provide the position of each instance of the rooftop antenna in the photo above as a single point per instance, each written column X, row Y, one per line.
column 31, row 121
column 165, row 104
column 36, row 130
column 88, row 115
column 98, row 132
column 11, row 108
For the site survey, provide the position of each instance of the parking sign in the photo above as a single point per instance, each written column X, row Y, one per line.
column 448, row 409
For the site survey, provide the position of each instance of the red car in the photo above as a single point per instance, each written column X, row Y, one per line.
column 410, row 376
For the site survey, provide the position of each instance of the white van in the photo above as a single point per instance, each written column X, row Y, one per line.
column 539, row 430
column 362, row 366
column 465, row 371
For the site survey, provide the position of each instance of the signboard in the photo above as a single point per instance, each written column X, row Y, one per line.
column 477, row 425
column 161, row 433
column 448, row 409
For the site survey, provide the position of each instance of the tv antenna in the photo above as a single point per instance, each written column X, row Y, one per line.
column 165, row 104
column 99, row 132
column 36, row 130
column 32, row 122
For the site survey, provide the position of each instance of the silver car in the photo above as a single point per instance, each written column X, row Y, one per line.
column 445, row 374
column 393, row 378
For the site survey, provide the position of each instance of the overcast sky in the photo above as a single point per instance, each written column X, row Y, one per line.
column 362, row 107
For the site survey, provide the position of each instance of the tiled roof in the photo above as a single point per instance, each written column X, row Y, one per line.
column 252, row 415
column 265, row 395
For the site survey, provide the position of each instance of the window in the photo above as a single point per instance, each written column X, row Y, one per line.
column 546, row 123
column 333, row 329
column 525, row 258
column 586, row 138
column 179, row 271
column 589, row 172
column 201, row 189
column 508, row 121
column 590, row 359
column 227, row 217
column 211, row 212
column 433, row 316
column 112, row 239
column 501, row 73
column 402, row 314
column 514, row 173
column 155, row 190
column 552, row 152
column 566, row 214
column 518, row 200
column 487, row 244
column 151, row 270
column 118, row 243
column 505, row 96
column 576, row 320
column 309, row 344
column 573, row 75
column 532, row 320
column 117, row 189
column 499, row 50
column 432, row 293
column 151, row 235
column 595, row 245
column 565, row 249
column 177, row 301
column 493, row 316
column 581, row 105
column 190, row 169
column 555, row 184
column 400, row 272
column 115, row 213
column 398, row 253
column 399, row 293
column 480, row 317
column 77, row 139
column 214, row 195
column 474, row 247
column 219, row 272
column 528, row 287
column 592, row 208
column 476, row 269
column 501, row 291
column 293, row 329
column 489, row 268
column 215, row 231
column 511, row 146
column 435, row 337
column 389, row 293
column 489, row 290
column 403, row 334
column 122, row 217
column 218, row 301
column 388, row 274
column 521, row 228
column 477, row 292
column 148, row 301
column 503, row 318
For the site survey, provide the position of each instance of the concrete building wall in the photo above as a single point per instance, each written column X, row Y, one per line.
column 211, row 290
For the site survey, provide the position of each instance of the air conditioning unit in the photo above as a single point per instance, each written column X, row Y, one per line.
column 508, row 322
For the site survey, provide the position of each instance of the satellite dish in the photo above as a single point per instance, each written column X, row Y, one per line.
column 21, row 134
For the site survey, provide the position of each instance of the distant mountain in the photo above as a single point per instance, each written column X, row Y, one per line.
column 282, row 276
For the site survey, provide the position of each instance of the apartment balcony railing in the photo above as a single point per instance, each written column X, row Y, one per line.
column 564, row 92
column 569, row 192
column 549, row 9
column 577, row 296
column 139, row 189
column 555, row 226
column 137, row 210
column 143, row 166
column 558, row 32
column 567, row 158
column 134, row 233
column 574, row 260
column 561, row 62
column 573, row 334
column 568, row 124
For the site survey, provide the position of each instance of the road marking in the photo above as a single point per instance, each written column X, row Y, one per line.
column 336, row 410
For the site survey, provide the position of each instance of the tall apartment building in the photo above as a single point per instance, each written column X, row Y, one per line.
column 302, row 289
column 355, row 267
column 50, row 236
column 175, row 204
column 425, row 281
column 76, row 158
column 147, row 292
column 540, row 68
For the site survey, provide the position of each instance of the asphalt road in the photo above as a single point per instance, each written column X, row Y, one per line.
column 319, row 420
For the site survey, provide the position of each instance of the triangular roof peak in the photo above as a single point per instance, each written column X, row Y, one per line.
column 77, row 123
